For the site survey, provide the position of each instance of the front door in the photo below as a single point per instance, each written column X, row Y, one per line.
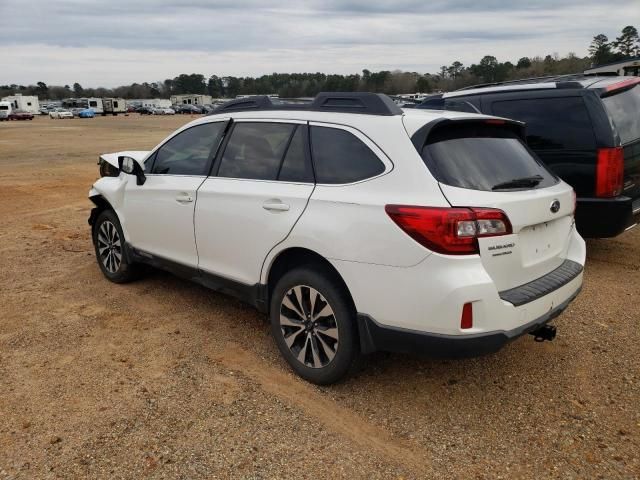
column 158, row 216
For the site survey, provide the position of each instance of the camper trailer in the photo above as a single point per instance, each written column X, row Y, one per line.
column 26, row 103
column 5, row 110
column 628, row 67
column 93, row 103
column 113, row 106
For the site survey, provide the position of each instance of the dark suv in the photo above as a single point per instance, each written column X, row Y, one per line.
column 585, row 128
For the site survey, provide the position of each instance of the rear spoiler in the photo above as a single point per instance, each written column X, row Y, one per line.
column 420, row 137
column 619, row 86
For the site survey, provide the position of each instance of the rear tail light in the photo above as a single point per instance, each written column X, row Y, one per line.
column 452, row 231
column 609, row 172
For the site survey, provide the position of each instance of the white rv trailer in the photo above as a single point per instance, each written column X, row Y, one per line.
column 113, row 106
column 629, row 67
column 190, row 99
column 27, row 103
column 5, row 110
column 94, row 103
column 156, row 103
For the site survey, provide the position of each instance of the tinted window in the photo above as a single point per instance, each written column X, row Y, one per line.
column 296, row 166
column 624, row 109
column 480, row 157
column 188, row 153
column 552, row 123
column 460, row 106
column 340, row 157
column 255, row 150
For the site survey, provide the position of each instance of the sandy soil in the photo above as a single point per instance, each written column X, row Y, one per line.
column 164, row 379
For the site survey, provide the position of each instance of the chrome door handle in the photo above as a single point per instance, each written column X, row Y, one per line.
column 184, row 198
column 275, row 206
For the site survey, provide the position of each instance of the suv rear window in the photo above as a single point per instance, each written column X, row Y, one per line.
column 552, row 123
column 482, row 157
column 624, row 109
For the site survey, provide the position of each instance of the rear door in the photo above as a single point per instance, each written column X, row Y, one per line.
column 487, row 165
column 260, row 186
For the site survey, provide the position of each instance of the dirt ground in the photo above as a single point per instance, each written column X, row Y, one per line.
column 164, row 379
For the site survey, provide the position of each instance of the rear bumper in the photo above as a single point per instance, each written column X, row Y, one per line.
column 606, row 217
column 374, row 337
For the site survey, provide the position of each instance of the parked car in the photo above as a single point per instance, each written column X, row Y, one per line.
column 60, row 113
column 356, row 226
column 86, row 113
column 146, row 110
column 167, row 111
column 20, row 115
column 188, row 109
column 585, row 128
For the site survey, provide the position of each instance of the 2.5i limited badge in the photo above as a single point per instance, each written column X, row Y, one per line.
column 499, row 250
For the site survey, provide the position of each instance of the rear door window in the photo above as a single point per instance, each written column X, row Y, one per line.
column 255, row 150
column 341, row 157
column 552, row 123
column 482, row 157
column 624, row 109
column 296, row 165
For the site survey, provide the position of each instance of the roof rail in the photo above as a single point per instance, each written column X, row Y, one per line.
column 571, row 77
column 343, row 102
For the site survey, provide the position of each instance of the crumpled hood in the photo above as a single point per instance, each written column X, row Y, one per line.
column 138, row 155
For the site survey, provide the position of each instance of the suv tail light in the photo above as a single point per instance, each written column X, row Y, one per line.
column 609, row 172
column 452, row 231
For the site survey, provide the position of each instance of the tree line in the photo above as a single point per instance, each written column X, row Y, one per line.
column 289, row 85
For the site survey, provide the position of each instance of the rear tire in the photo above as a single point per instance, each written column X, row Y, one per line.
column 314, row 325
column 109, row 244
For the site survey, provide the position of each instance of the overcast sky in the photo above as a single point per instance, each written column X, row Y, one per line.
column 116, row 42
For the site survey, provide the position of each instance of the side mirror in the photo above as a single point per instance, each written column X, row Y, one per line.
column 129, row 166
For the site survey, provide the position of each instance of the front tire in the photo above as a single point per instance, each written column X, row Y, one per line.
column 313, row 323
column 109, row 244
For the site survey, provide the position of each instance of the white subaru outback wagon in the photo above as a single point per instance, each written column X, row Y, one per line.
column 355, row 225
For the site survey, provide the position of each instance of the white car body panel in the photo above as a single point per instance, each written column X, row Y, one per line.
column 158, row 216
column 234, row 229
column 540, row 238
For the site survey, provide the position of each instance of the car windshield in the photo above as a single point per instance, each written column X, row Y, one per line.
column 624, row 108
column 484, row 157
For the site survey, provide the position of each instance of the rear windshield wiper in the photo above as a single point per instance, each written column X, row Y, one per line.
column 523, row 182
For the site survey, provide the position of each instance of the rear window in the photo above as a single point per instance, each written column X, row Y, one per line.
column 483, row 157
column 624, row 109
column 4, row 107
column 552, row 123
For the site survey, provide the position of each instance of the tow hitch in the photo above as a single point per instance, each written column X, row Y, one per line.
column 546, row 332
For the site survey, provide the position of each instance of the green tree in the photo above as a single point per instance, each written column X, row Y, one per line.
column 77, row 89
column 524, row 62
column 600, row 49
column 628, row 43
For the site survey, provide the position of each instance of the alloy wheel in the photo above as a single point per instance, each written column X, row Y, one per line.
column 309, row 326
column 109, row 246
